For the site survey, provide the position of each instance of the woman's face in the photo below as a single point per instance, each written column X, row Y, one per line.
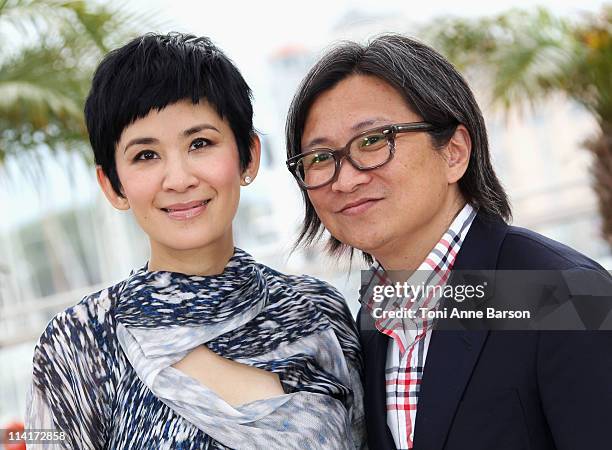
column 180, row 173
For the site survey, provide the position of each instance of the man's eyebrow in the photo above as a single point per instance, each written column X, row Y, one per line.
column 357, row 127
column 316, row 142
column 197, row 128
column 368, row 123
column 141, row 141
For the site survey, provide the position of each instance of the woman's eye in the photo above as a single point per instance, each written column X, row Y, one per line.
column 145, row 155
column 199, row 143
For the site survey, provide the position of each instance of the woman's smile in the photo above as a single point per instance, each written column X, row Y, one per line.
column 186, row 211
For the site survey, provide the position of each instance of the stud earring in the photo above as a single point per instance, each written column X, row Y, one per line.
column 247, row 180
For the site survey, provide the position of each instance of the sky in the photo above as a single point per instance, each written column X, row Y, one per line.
column 248, row 30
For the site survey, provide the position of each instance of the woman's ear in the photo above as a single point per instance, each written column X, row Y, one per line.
column 458, row 152
column 115, row 199
column 249, row 174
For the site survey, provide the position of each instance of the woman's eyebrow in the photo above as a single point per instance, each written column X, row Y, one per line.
column 141, row 141
column 197, row 128
column 188, row 132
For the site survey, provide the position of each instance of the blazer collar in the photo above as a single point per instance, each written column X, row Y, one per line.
column 451, row 357
column 482, row 244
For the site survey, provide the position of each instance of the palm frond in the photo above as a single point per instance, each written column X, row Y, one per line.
column 46, row 72
column 35, row 103
column 526, row 57
column 519, row 53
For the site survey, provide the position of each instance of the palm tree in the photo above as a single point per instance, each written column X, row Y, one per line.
column 48, row 49
column 529, row 56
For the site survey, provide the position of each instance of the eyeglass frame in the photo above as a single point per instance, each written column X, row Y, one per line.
column 389, row 131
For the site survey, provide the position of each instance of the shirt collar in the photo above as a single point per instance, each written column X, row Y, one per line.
column 434, row 270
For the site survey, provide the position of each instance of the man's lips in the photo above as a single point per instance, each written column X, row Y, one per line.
column 358, row 206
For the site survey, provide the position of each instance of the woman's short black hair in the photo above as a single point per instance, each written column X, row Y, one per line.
column 157, row 70
column 431, row 87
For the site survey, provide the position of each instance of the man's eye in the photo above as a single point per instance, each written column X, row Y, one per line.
column 320, row 157
column 318, row 160
column 371, row 140
column 199, row 143
column 145, row 155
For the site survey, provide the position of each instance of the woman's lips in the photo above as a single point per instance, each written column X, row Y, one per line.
column 186, row 211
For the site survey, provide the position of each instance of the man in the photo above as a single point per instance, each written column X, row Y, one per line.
column 390, row 148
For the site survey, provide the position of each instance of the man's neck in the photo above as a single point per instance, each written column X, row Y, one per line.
column 411, row 251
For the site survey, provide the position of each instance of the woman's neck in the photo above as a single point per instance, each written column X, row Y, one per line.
column 210, row 260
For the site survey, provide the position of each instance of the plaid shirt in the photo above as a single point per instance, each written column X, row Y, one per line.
column 410, row 337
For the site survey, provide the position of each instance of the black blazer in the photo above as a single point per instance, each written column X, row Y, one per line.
column 497, row 390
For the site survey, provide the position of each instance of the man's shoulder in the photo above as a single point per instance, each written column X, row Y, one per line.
column 526, row 249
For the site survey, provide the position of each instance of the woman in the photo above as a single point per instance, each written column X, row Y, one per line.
column 202, row 347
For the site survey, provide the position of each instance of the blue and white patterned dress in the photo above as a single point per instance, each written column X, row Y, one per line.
column 102, row 368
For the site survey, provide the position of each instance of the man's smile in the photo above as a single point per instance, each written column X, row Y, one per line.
column 358, row 206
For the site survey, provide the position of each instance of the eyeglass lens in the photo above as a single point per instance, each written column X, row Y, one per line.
column 365, row 152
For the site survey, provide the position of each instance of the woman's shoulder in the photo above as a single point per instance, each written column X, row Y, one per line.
column 76, row 365
column 91, row 312
column 314, row 289
column 87, row 328
column 326, row 299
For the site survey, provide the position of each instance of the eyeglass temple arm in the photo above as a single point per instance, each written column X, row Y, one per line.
column 416, row 126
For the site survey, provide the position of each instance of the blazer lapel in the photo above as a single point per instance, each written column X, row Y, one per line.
column 374, row 349
column 450, row 360
column 452, row 355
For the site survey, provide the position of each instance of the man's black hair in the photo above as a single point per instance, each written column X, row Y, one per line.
column 430, row 86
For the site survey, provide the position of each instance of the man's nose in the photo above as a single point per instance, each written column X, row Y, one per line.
column 349, row 178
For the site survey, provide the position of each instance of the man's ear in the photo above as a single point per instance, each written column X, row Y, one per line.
column 458, row 152
column 253, row 167
column 115, row 199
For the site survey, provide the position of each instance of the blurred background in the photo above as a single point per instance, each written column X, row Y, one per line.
column 541, row 73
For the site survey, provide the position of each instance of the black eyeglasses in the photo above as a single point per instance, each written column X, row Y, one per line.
column 366, row 151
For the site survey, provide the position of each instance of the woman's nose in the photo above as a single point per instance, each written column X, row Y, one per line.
column 179, row 176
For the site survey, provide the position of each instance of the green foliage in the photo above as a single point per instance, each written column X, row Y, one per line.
column 48, row 51
column 591, row 76
column 525, row 57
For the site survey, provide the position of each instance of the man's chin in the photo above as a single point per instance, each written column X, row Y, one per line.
column 365, row 244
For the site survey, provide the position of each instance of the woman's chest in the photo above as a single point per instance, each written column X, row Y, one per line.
column 140, row 420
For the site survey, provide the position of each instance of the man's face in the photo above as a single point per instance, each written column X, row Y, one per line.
column 382, row 210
